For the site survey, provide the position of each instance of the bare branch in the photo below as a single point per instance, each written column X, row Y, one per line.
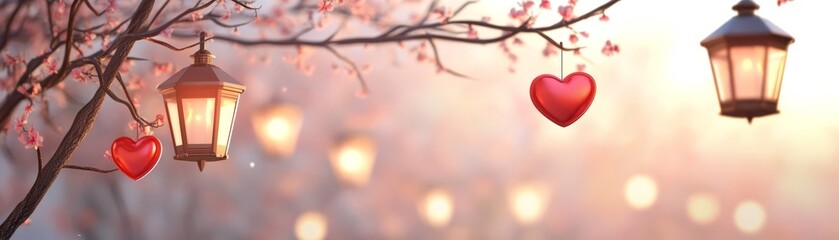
column 90, row 6
column 91, row 169
column 153, row 19
column 440, row 63
column 357, row 71
column 167, row 45
column 5, row 40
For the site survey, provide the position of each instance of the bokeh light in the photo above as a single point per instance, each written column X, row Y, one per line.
column 311, row 226
column 749, row 217
column 528, row 202
column 702, row 208
column 437, row 207
column 353, row 160
column 640, row 191
column 278, row 128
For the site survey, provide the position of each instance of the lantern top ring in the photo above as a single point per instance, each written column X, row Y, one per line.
column 203, row 56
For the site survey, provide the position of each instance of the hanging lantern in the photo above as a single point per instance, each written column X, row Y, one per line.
column 748, row 55
column 201, row 102
column 277, row 128
column 352, row 160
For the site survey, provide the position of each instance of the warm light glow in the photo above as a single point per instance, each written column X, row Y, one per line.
column 278, row 129
column 640, row 191
column 353, row 160
column 437, row 207
column 702, row 208
column 529, row 202
column 749, row 217
column 747, row 64
column 198, row 120
column 311, row 226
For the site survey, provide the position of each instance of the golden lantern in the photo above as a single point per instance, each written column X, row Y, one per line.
column 352, row 160
column 748, row 54
column 201, row 102
column 278, row 128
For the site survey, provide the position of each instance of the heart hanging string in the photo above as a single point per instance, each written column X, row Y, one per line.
column 563, row 100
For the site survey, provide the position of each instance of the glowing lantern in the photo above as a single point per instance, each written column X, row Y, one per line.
column 353, row 160
column 529, row 202
column 640, row 191
column 748, row 55
column 278, row 128
column 201, row 102
column 437, row 207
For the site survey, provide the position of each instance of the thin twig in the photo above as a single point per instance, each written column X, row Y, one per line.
column 440, row 63
column 92, row 169
column 167, row 45
column 357, row 71
column 40, row 160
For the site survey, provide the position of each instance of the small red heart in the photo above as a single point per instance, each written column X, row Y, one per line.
column 136, row 159
column 563, row 101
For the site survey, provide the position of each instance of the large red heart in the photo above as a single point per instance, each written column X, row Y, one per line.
column 563, row 101
column 136, row 159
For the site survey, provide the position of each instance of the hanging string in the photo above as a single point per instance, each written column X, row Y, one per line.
column 561, row 61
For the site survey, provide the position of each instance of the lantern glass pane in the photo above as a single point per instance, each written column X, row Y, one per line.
column 198, row 119
column 775, row 64
column 227, row 112
column 719, row 63
column 174, row 120
column 748, row 63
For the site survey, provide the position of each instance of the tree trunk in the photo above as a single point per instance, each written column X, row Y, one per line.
column 77, row 132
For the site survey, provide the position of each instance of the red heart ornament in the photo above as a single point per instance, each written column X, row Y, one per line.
column 136, row 159
column 563, row 101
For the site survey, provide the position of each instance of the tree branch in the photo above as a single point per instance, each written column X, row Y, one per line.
column 78, row 130
column 357, row 71
column 92, row 169
column 5, row 40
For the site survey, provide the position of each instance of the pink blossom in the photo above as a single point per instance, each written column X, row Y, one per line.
column 472, row 33
column 546, row 4
column 31, row 139
column 52, row 65
column 518, row 41
column 78, row 75
column 517, row 14
column 107, row 155
column 567, row 12
column 195, row 16
column 610, row 49
column 133, row 125
column 160, row 119
column 584, row 34
column 147, row 131
column 581, row 67
column 527, row 5
column 161, row 68
column 604, row 18
column 781, row 2
column 549, row 50
column 326, row 6
column 573, row 38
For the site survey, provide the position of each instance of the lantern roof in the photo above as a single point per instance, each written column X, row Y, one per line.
column 746, row 25
column 202, row 75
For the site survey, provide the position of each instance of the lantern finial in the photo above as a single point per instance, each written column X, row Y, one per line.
column 746, row 7
column 202, row 56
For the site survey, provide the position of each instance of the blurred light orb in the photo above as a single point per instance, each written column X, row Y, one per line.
column 353, row 160
column 437, row 207
column 749, row 217
column 529, row 202
column 703, row 208
column 640, row 191
column 252, row 164
column 278, row 128
column 310, row 226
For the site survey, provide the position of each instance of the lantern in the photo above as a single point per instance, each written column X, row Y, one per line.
column 748, row 55
column 201, row 102
column 352, row 160
column 277, row 128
